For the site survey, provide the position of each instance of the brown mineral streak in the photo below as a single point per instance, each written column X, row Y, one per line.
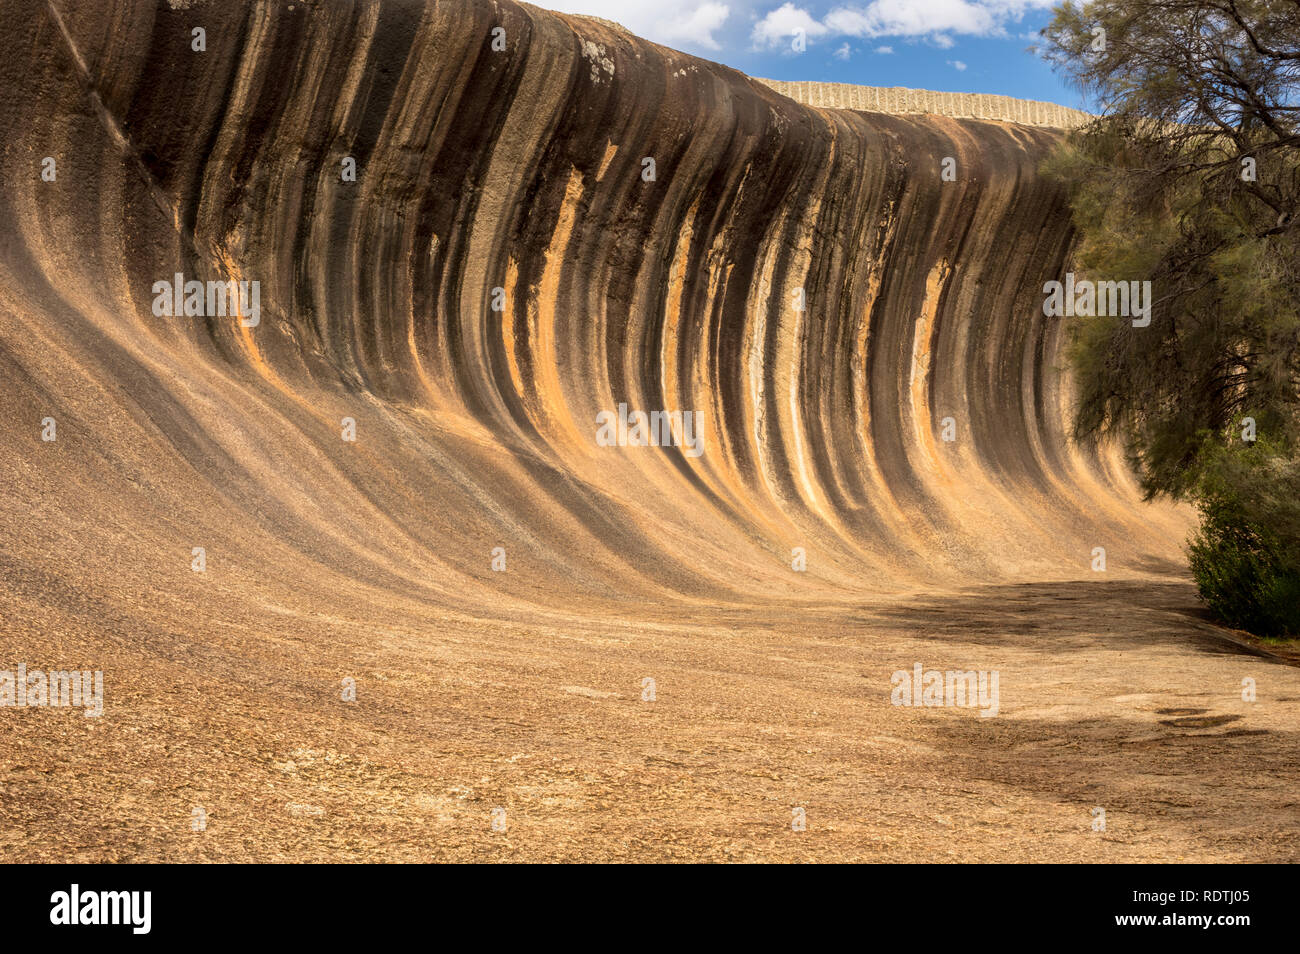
column 372, row 560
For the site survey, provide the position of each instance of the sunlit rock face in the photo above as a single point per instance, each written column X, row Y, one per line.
column 476, row 228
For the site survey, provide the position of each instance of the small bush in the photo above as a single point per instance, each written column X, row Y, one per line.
column 1246, row 555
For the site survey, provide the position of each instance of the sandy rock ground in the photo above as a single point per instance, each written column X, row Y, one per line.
column 1112, row 695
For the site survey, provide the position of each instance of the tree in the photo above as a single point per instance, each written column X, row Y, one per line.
column 1190, row 178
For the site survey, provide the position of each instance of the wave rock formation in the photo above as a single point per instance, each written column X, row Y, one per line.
column 522, row 169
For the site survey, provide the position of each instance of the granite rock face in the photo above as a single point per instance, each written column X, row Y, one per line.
column 501, row 271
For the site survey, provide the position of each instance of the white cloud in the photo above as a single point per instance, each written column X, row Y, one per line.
column 935, row 21
column 781, row 25
column 843, row 53
column 909, row 18
column 886, row 50
column 698, row 26
column 683, row 23
column 712, row 24
column 919, row 18
column 958, row 65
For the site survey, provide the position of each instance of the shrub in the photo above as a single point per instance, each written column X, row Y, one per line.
column 1246, row 555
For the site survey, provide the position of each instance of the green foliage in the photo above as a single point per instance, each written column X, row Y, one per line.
column 1244, row 557
column 1190, row 179
column 1159, row 193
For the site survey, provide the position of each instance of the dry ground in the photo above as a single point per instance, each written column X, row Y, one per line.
column 1112, row 694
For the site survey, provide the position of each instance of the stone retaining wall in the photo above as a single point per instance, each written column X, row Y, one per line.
column 897, row 99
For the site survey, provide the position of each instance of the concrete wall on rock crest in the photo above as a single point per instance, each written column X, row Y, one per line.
column 900, row 101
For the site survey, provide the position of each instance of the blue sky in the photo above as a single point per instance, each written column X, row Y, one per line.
column 966, row 46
